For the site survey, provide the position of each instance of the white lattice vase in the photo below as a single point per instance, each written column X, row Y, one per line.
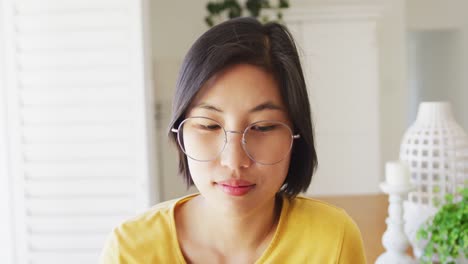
column 435, row 148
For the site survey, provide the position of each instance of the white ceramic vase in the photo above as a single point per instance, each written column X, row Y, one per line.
column 435, row 148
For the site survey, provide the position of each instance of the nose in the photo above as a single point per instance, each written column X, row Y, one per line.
column 234, row 156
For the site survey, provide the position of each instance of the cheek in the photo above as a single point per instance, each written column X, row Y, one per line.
column 275, row 175
column 283, row 171
column 199, row 172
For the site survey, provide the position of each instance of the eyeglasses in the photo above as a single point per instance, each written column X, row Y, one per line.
column 265, row 142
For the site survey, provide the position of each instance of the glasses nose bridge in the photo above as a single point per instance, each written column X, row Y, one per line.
column 235, row 132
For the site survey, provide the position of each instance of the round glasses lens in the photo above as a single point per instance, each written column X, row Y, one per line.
column 268, row 142
column 201, row 138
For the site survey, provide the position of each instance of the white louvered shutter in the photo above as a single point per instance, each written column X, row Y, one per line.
column 78, row 124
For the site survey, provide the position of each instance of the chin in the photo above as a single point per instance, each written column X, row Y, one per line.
column 231, row 204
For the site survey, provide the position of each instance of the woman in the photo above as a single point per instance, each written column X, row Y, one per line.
column 241, row 120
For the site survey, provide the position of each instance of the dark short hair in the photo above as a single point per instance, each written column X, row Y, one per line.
column 268, row 46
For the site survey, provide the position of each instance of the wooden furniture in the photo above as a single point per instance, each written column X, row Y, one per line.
column 369, row 212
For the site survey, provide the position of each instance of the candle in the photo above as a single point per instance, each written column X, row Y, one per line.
column 396, row 173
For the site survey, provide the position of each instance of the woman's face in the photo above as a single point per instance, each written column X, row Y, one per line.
column 235, row 98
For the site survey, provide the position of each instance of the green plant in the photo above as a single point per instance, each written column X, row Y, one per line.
column 447, row 232
column 233, row 8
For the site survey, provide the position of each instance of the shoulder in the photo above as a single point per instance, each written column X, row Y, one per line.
column 149, row 234
column 309, row 209
column 154, row 219
column 331, row 225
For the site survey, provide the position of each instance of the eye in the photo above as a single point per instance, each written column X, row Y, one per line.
column 208, row 127
column 264, row 127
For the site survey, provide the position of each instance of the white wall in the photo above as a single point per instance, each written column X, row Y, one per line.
column 433, row 17
column 436, row 14
column 175, row 25
column 393, row 79
column 435, row 67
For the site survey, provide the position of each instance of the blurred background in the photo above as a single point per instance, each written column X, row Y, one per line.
column 368, row 65
column 86, row 90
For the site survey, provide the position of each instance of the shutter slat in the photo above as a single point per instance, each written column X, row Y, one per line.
column 65, row 41
column 110, row 169
column 81, row 206
column 65, row 77
column 75, row 115
column 75, row 133
column 80, row 187
column 61, row 224
column 67, row 242
column 58, row 152
column 71, row 59
column 61, row 257
column 81, row 84
column 72, row 21
column 111, row 97
column 65, row 6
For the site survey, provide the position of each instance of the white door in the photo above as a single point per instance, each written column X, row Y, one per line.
column 338, row 44
column 76, row 126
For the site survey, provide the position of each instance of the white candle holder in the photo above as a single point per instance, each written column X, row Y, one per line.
column 394, row 239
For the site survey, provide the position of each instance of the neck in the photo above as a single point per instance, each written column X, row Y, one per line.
column 234, row 233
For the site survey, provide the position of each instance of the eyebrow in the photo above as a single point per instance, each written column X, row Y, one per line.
column 266, row 106
column 208, row 107
column 261, row 107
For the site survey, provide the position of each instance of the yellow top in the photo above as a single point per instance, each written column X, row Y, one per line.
column 309, row 231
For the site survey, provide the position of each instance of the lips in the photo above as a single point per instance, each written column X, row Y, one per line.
column 236, row 183
column 235, row 187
